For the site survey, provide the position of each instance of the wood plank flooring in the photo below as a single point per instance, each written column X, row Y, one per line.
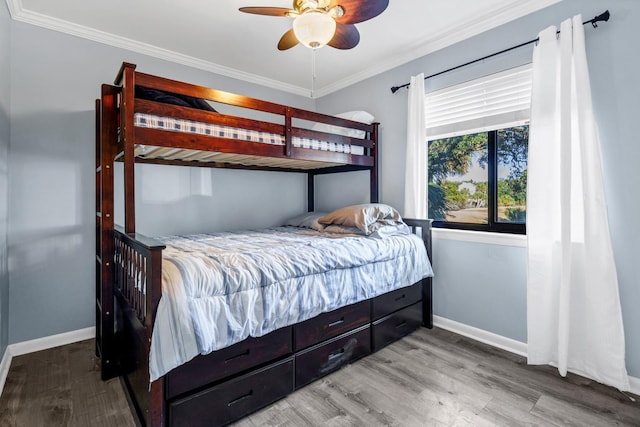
column 62, row 387
column 430, row 378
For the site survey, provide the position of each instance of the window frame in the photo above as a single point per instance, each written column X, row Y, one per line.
column 486, row 104
column 493, row 225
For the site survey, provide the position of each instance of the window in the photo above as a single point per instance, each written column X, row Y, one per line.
column 479, row 181
column 477, row 152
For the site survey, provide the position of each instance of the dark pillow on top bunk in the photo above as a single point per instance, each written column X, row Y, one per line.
column 172, row 98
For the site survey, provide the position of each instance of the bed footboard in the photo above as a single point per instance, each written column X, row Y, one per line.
column 137, row 291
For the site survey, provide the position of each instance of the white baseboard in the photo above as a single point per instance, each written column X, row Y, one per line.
column 501, row 342
column 481, row 335
column 51, row 341
column 38, row 344
column 635, row 385
column 5, row 363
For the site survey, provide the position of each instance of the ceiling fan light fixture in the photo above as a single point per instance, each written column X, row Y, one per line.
column 314, row 29
column 303, row 5
column 336, row 12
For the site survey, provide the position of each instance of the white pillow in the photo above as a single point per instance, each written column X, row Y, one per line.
column 356, row 116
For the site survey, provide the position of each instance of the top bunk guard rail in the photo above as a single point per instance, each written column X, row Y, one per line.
column 196, row 146
column 288, row 140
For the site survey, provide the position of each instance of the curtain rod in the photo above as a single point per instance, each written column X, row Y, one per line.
column 603, row 17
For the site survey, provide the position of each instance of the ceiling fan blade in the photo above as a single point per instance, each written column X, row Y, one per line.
column 288, row 40
column 269, row 11
column 347, row 36
column 359, row 10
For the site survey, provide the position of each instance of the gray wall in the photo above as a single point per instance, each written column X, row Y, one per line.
column 5, row 25
column 55, row 79
column 488, row 291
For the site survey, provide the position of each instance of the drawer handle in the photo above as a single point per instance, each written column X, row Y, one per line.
column 336, row 358
column 243, row 354
column 336, row 354
column 401, row 297
column 241, row 398
column 401, row 324
column 336, row 322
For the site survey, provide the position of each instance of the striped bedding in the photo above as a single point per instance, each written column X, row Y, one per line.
column 188, row 126
column 221, row 288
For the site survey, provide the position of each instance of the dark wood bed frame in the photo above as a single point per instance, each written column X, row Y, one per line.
column 227, row 384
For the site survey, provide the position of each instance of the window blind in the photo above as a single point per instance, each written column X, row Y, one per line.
column 492, row 102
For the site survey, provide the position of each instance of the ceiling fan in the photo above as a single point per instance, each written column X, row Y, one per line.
column 320, row 22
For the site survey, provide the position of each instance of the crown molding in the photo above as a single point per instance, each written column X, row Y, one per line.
column 15, row 6
column 509, row 11
column 18, row 13
column 506, row 13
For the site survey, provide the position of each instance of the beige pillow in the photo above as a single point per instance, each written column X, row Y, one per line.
column 366, row 217
column 307, row 220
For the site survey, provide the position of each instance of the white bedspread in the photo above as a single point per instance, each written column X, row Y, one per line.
column 221, row 288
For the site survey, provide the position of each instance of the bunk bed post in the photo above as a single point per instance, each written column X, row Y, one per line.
column 154, row 286
column 287, row 130
column 154, row 291
column 427, row 302
column 98, row 283
column 127, row 75
column 375, row 196
column 106, row 139
column 311, row 194
column 423, row 226
column 427, row 284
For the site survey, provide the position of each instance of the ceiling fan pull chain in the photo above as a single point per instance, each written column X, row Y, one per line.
column 313, row 71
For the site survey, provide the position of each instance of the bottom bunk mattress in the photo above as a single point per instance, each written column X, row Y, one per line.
column 220, row 288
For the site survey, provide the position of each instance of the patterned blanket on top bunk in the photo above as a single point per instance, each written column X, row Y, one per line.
column 208, row 129
column 221, row 288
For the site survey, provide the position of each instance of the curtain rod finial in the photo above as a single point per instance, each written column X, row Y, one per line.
column 603, row 17
column 394, row 89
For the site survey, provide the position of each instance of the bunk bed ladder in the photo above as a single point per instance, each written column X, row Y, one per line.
column 106, row 143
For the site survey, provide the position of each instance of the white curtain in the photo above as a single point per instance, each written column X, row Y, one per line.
column 415, row 188
column 574, row 318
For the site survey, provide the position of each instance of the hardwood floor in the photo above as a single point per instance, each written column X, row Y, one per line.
column 430, row 378
column 62, row 387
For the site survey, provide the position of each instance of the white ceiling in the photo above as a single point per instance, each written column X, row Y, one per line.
column 213, row 35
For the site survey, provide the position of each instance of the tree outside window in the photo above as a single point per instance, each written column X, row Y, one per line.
column 478, row 181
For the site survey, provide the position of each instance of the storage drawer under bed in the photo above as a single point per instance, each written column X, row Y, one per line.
column 386, row 304
column 329, row 356
column 396, row 325
column 232, row 400
column 228, row 361
column 332, row 324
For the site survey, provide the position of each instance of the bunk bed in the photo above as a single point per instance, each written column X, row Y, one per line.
column 143, row 118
